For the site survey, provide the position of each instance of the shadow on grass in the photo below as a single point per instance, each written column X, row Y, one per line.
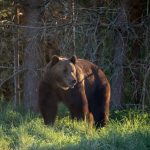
column 138, row 139
column 9, row 115
column 113, row 141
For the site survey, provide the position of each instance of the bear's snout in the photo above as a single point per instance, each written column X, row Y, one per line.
column 74, row 81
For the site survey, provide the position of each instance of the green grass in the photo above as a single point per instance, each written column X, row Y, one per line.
column 21, row 130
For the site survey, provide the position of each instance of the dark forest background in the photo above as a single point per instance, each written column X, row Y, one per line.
column 114, row 34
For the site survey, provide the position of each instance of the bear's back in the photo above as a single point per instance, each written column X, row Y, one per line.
column 94, row 77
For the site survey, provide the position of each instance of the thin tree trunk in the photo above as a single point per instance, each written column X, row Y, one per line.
column 147, row 73
column 31, row 54
column 119, row 57
column 73, row 27
column 136, row 9
column 16, row 77
column 18, row 17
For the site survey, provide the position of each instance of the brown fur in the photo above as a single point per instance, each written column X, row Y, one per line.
column 80, row 85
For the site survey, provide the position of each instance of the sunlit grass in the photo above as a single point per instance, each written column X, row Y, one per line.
column 127, row 130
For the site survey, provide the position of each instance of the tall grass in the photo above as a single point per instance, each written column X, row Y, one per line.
column 22, row 130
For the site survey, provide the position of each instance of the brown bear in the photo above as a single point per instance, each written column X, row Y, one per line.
column 80, row 85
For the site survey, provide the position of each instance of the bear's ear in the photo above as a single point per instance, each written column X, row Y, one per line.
column 55, row 60
column 73, row 59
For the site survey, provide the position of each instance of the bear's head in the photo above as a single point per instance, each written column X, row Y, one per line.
column 63, row 72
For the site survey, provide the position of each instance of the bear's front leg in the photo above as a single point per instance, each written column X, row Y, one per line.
column 47, row 104
column 79, row 106
column 49, row 112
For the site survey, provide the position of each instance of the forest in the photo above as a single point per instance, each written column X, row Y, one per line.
column 114, row 34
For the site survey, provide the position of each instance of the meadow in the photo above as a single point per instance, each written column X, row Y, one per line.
column 24, row 130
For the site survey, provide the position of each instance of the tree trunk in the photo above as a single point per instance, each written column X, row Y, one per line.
column 135, row 16
column 31, row 54
column 118, row 61
column 17, row 20
column 16, row 77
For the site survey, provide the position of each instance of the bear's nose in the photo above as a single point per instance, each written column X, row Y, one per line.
column 74, row 81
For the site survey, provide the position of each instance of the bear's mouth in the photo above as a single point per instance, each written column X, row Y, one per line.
column 66, row 86
column 63, row 87
column 72, row 86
